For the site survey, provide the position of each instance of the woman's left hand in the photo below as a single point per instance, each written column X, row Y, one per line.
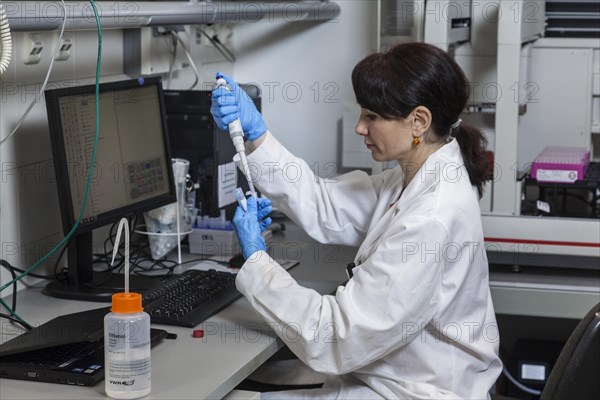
column 249, row 225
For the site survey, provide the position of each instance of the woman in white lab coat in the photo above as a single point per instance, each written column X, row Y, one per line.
column 416, row 320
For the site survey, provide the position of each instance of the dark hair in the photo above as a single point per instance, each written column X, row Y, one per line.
column 408, row 75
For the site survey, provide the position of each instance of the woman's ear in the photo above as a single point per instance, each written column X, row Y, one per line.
column 421, row 120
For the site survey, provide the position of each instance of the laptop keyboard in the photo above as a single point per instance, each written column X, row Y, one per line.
column 53, row 357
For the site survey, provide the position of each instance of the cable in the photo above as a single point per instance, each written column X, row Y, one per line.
column 57, row 263
column 11, row 269
column 24, row 324
column 214, row 40
column 221, row 47
column 39, row 95
column 519, row 384
column 172, row 63
column 14, row 319
column 89, row 177
column 189, row 57
column 22, row 270
column 5, row 41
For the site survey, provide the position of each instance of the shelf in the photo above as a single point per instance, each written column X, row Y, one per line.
column 25, row 16
column 558, row 194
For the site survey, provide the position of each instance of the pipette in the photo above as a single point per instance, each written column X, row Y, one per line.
column 237, row 137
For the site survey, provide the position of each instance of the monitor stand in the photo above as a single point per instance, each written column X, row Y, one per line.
column 101, row 287
column 82, row 283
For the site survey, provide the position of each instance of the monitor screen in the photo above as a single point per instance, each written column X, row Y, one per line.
column 132, row 171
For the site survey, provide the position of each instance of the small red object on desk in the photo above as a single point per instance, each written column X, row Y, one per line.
column 198, row 333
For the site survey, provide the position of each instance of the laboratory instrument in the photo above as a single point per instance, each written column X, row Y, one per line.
column 237, row 137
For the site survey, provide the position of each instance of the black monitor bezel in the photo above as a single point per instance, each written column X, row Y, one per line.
column 68, row 213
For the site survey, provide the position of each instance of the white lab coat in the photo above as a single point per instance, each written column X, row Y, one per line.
column 416, row 321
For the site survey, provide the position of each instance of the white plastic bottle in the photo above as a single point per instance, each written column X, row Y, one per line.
column 127, row 348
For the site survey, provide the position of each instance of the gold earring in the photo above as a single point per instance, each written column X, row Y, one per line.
column 416, row 141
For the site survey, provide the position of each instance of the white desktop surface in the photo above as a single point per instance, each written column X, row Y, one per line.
column 236, row 341
column 183, row 368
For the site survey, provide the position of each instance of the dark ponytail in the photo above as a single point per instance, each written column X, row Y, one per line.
column 394, row 83
column 473, row 148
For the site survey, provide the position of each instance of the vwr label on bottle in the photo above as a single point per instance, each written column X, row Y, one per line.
column 126, row 373
column 127, row 357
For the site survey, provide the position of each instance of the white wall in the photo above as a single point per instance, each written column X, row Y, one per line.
column 304, row 70
column 298, row 55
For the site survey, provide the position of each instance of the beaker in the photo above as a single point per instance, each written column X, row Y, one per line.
column 166, row 226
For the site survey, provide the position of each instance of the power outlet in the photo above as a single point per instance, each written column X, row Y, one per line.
column 64, row 51
column 33, row 45
column 206, row 50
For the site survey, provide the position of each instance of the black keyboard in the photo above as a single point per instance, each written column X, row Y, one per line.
column 191, row 297
column 52, row 356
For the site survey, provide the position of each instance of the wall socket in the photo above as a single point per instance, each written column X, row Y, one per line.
column 64, row 51
column 33, row 45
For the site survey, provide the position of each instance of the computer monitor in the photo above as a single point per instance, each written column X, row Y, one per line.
column 133, row 171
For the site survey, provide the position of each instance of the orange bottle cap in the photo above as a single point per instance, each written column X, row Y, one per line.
column 127, row 303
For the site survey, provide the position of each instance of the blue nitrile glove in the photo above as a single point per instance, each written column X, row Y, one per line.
column 229, row 105
column 265, row 207
column 249, row 225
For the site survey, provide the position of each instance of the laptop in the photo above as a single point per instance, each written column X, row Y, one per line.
column 68, row 349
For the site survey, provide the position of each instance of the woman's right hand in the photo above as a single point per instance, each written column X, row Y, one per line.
column 229, row 105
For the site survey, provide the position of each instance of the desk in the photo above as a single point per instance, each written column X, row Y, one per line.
column 236, row 340
column 181, row 368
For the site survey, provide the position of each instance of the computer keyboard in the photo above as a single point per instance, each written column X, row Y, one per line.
column 191, row 297
column 51, row 356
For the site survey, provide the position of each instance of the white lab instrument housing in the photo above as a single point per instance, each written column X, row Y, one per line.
column 520, row 105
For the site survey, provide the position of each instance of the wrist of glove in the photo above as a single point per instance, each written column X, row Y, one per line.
column 249, row 225
column 255, row 129
column 233, row 103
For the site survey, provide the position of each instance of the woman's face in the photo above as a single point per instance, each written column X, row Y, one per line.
column 388, row 139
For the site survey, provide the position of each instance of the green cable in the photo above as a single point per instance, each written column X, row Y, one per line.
column 89, row 179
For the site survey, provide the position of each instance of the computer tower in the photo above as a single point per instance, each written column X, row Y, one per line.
column 195, row 136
